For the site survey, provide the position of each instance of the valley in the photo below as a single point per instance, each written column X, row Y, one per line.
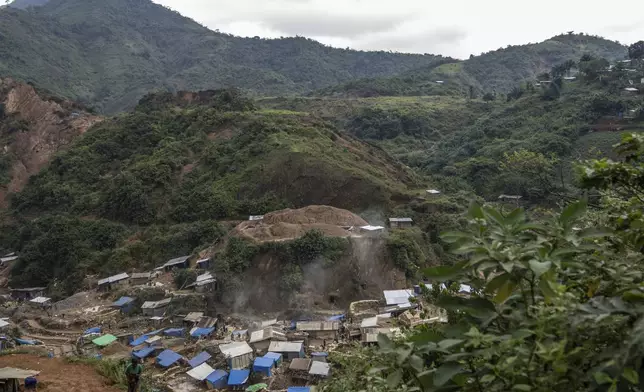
column 238, row 212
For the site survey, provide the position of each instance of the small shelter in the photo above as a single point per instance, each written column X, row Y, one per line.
column 140, row 278
column 289, row 350
column 263, row 365
column 240, row 335
column 203, row 264
column 319, row 329
column 8, row 259
column 631, row 89
column 276, row 357
column 319, row 356
column 201, row 372
column 177, row 263
column 239, row 355
column 319, row 369
column 372, row 230
column 238, row 378
column 254, row 218
column 167, row 358
column 217, row 379
column 205, row 282
column 104, row 340
column 27, row 294
column 260, row 339
column 176, row 332
column 433, row 192
column 155, row 308
column 199, row 359
column 192, row 318
column 144, row 352
column 10, row 378
column 201, row 332
column 401, row 223
column 300, row 367
column 113, row 282
column 92, row 331
column 41, row 302
column 398, row 297
column 124, row 304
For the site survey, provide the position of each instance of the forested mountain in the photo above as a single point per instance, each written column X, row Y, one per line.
column 498, row 71
column 110, row 53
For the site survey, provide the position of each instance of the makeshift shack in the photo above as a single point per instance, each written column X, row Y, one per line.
column 144, row 352
column 299, row 368
column 201, row 332
column 199, row 359
column 205, row 283
column 140, row 278
column 113, row 282
column 240, row 335
column 319, row 356
column 261, row 339
column 263, row 366
column 203, row 264
column 201, row 372
column 155, row 308
column 319, row 369
column 124, row 304
column 41, row 302
column 319, row 329
column 192, row 318
column 276, row 357
column 289, row 350
column 10, row 378
column 239, row 355
column 27, row 294
column 237, row 379
column 177, row 263
column 176, row 332
column 167, row 358
column 400, row 223
column 217, row 379
column 104, row 340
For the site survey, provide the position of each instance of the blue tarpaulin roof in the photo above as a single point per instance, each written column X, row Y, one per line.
column 92, row 330
column 336, row 318
column 274, row 356
column 299, row 389
column 167, row 358
column 216, row 375
column 26, row 342
column 140, row 340
column 202, row 332
column 158, row 331
column 123, row 301
column 263, row 363
column 199, row 359
column 143, row 353
column 320, row 354
column 238, row 377
column 178, row 332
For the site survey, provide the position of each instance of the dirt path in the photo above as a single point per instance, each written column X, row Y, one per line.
column 56, row 375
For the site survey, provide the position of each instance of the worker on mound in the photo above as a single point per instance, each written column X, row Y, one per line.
column 133, row 373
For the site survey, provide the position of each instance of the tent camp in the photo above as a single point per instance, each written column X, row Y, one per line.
column 201, row 372
column 168, row 358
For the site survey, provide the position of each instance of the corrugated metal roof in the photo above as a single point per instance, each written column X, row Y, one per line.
column 200, row 261
column 320, row 369
column 261, row 335
column 317, row 326
column 113, row 279
column 372, row 228
column 8, row 259
column 40, row 300
column 141, row 275
column 370, row 322
column 193, row 317
column 285, row 347
column 255, row 217
column 8, row 373
column 178, row 260
column 397, row 297
column 235, row 349
column 156, row 304
column 201, row 372
column 300, row 364
column 268, row 323
column 123, row 301
column 433, row 192
column 400, row 220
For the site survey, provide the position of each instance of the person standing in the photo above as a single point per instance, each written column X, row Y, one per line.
column 133, row 373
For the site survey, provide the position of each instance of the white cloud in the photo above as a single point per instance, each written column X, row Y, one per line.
column 455, row 28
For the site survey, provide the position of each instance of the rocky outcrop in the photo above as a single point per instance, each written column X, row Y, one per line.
column 45, row 126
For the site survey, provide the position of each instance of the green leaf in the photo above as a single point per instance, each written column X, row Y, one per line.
column 403, row 354
column 546, row 289
column 573, row 212
column 416, row 362
column 516, row 216
column 539, row 268
column 384, row 342
column 613, row 388
column 631, row 375
column 595, row 232
column 475, row 211
column 445, row 373
column 453, row 236
column 449, row 343
column 531, row 226
column 444, row 272
column 602, row 378
column 496, row 283
column 394, row 379
column 505, row 291
column 488, row 378
column 522, row 333
column 495, row 216
column 521, row 387
column 426, row 336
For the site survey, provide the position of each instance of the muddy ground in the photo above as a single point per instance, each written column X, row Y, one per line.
column 57, row 375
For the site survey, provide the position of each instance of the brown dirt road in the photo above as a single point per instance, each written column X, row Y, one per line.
column 56, row 375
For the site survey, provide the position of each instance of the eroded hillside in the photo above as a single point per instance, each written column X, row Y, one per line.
column 32, row 129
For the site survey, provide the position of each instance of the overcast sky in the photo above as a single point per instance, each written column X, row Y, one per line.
column 455, row 28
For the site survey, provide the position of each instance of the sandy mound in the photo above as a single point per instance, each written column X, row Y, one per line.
column 289, row 224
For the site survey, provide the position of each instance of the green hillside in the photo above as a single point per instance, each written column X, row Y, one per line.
column 175, row 165
column 110, row 53
column 494, row 72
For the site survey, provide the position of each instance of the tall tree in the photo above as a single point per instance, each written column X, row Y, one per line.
column 636, row 51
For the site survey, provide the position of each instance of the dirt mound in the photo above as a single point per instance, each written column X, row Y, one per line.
column 57, row 375
column 289, row 224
